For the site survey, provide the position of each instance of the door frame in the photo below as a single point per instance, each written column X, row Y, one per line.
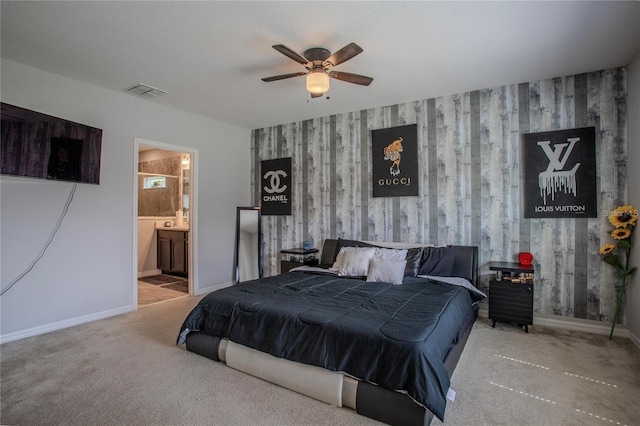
column 193, row 212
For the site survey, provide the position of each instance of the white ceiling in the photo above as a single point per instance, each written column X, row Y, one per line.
column 210, row 56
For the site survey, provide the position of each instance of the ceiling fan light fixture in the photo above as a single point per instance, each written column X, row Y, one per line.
column 318, row 81
column 318, row 63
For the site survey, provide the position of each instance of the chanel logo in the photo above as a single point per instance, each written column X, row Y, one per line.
column 274, row 175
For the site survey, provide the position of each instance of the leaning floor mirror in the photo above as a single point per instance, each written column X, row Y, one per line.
column 248, row 256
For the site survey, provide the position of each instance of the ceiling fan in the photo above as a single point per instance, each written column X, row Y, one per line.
column 319, row 63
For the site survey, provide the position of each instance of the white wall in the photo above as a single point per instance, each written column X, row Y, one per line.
column 88, row 271
column 633, row 295
column 147, row 247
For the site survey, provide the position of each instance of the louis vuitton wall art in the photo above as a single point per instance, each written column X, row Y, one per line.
column 395, row 161
column 276, row 186
column 560, row 174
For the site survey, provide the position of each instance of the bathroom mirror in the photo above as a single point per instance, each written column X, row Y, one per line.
column 186, row 177
column 163, row 182
column 248, row 256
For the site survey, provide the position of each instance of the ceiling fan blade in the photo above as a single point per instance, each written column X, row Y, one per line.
column 344, row 54
column 283, row 76
column 351, row 78
column 290, row 53
column 316, row 95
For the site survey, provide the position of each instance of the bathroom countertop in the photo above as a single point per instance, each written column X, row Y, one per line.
column 173, row 228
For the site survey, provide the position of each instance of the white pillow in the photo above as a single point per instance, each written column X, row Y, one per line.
column 390, row 254
column 353, row 261
column 338, row 262
column 386, row 271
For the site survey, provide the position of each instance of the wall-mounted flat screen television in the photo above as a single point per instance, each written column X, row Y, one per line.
column 41, row 146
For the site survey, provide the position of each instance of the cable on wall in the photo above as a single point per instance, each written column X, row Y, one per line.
column 48, row 243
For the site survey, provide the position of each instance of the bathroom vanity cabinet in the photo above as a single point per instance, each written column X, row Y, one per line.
column 173, row 251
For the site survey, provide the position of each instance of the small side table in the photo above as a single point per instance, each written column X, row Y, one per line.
column 294, row 257
column 511, row 294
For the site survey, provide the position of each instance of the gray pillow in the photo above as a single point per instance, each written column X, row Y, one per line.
column 386, row 271
column 414, row 260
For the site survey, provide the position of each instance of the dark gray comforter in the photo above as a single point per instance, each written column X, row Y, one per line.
column 393, row 336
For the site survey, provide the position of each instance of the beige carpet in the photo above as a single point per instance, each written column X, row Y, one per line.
column 546, row 377
column 126, row 370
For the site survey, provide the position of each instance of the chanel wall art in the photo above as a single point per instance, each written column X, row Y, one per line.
column 276, row 187
column 395, row 161
column 560, row 174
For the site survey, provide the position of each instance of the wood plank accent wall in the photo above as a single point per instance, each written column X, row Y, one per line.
column 161, row 202
column 470, row 182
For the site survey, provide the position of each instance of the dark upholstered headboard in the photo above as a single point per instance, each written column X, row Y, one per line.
column 329, row 252
column 465, row 263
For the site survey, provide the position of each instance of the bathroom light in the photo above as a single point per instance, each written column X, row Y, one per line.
column 317, row 81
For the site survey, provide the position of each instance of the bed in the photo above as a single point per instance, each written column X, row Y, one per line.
column 375, row 329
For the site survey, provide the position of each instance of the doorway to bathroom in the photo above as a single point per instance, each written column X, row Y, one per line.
column 164, row 203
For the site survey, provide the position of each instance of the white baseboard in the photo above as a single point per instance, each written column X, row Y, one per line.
column 575, row 324
column 212, row 288
column 634, row 339
column 151, row 273
column 9, row 337
column 483, row 312
column 586, row 326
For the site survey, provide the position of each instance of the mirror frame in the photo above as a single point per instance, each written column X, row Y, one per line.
column 236, row 258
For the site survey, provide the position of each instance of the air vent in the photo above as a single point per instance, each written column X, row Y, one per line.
column 145, row 91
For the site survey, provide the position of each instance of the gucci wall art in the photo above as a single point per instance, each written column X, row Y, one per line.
column 395, row 161
column 560, row 174
column 276, row 187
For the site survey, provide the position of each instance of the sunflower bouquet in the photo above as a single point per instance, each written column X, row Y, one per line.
column 625, row 219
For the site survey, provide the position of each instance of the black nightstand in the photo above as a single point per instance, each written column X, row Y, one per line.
column 294, row 257
column 511, row 294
